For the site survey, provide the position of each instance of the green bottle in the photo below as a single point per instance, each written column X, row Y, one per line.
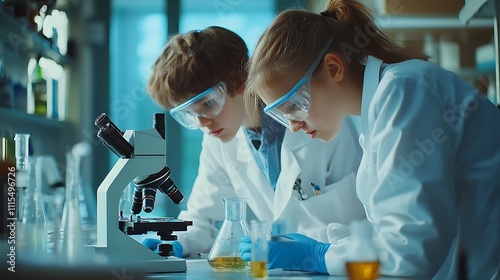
column 39, row 91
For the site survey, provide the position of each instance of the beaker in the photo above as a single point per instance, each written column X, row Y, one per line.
column 362, row 260
column 225, row 255
column 260, row 235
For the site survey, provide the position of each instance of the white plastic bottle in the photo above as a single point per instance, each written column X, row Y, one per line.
column 362, row 262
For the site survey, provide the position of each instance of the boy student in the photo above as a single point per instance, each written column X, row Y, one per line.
column 200, row 78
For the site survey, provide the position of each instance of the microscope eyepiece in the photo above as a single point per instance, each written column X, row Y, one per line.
column 114, row 140
column 103, row 119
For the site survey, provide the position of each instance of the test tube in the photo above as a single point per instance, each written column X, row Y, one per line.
column 259, row 234
column 22, row 150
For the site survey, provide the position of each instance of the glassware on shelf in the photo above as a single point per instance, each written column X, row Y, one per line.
column 225, row 255
column 37, row 91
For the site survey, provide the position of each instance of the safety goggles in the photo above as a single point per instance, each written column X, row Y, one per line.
column 295, row 105
column 207, row 104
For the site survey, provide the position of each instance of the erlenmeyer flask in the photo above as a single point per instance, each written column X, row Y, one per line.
column 225, row 255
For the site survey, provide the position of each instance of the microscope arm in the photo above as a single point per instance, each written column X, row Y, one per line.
column 110, row 191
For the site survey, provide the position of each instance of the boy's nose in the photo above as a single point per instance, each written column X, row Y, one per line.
column 203, row 121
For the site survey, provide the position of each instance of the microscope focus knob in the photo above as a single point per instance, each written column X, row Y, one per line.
column 165, row 249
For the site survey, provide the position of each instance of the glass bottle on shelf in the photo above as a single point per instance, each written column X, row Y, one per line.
column 225, row 255
column 362, row 262
column 37, row 91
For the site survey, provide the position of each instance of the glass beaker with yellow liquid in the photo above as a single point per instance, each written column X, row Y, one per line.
column 225, row 255
column 260, row 234
column 362, row 262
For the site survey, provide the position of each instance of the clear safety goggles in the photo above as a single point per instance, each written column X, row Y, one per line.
column 295, row 105
column 207, row 104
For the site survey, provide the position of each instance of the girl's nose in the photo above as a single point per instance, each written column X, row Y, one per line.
column 295, row 125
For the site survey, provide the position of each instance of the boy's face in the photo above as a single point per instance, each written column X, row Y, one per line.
column 227, row 123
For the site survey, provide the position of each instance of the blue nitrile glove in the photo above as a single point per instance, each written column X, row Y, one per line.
column 245, row 248
column 152, row 244
column 296, row 252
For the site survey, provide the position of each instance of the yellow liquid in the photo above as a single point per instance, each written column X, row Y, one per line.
column 228, row 264
column 259, row 269
column 362, row 270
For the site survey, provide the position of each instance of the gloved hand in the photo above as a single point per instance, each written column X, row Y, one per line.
column 152, row 244
column 295, row 252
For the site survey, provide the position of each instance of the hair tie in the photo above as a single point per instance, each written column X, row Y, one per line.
column 327, row 14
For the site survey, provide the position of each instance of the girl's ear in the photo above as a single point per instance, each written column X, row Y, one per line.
column 335, row 66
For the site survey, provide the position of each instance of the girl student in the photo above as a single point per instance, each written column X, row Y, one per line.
column 429, row 174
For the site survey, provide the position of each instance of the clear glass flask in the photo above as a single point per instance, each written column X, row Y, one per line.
column 225, row 255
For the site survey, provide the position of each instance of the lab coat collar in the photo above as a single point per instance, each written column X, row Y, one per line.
column 244, row 154
column 370, row 84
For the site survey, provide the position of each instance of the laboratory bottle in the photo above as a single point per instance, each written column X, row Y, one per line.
column 38, row 90
column 225, row 255
column 362, row 262
column 32, row 237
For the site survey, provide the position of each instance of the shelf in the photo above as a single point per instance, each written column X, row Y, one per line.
column 427, row 23
column 20, row 38
column 477, row 8
column 22, row 119
column 474, row 9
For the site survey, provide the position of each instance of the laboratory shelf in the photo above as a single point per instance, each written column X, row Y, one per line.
column 388, row 22
column 474, row 9
column 477, row 9
column 22, row 119
column 20, row 38
column 48, row 136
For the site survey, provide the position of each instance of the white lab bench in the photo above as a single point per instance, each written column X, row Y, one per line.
column 200, row 269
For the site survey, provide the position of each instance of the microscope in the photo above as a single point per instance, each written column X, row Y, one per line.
column 142, row 160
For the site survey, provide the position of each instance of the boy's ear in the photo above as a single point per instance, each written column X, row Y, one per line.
column 335, row 66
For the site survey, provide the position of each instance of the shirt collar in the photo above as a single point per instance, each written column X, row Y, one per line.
column 370, row 83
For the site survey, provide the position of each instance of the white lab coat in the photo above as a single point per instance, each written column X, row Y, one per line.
column 230, row 170
column 430, row 174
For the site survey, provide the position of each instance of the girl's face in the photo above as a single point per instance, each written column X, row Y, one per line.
column 328, row 106
column 226, row 124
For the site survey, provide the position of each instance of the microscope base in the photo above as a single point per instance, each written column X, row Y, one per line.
column 156, row 264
